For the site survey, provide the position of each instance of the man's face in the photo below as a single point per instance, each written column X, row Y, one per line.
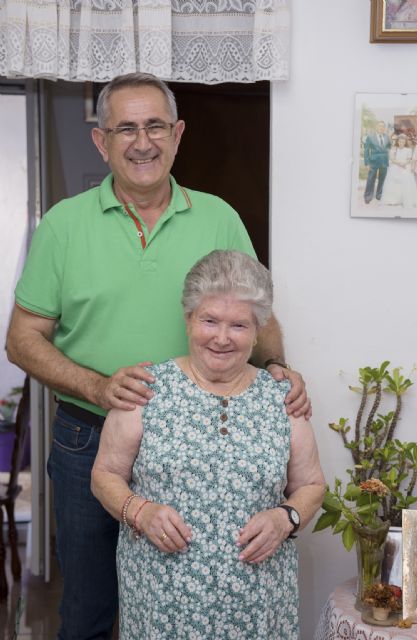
column 380, row 127
column 142, row 164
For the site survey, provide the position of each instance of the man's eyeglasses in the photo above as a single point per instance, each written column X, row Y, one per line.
column 155, row 131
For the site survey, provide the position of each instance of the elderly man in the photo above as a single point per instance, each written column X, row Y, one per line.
column 100, row 298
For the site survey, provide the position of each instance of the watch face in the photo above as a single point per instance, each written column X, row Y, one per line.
column 295, row 516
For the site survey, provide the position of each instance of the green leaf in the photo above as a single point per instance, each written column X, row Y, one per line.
column 368, row 509
column 352, row 492
column 340, row 526
column 348, row 536
column 328, row 519
column 335, row 427
column 331, row 503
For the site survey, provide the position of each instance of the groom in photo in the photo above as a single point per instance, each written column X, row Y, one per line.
column 376, row 157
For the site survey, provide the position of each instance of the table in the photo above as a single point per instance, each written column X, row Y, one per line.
column 340, row 620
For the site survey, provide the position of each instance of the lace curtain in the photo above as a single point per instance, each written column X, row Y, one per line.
column 206, row 41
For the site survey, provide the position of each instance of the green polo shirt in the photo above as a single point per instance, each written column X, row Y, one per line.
column 117, row 303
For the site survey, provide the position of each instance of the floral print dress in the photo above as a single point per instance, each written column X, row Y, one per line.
column 218, row 461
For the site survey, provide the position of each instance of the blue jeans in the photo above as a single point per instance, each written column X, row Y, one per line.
column 86, row 534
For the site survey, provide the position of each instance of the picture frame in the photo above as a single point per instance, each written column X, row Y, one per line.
column 91, row 94
column 384, row 156
column 409, row 526
column 393, row 21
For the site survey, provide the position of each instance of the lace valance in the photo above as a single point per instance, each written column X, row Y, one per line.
column 206, row 41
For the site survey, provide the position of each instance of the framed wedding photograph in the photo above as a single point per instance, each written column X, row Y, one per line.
column 393, row 21
column 384, row 158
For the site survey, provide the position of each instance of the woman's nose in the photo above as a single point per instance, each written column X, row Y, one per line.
column 222, row 336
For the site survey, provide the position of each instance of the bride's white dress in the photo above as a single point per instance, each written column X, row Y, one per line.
column 400, row 187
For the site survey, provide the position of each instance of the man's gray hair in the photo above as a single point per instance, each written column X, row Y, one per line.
column 230, row 273
column 133, row 80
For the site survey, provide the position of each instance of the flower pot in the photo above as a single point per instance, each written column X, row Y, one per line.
column 370, row 543
column 380, row 613
column 392, row 565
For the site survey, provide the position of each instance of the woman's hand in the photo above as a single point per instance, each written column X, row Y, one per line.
column 263, row 534
column 164, row 527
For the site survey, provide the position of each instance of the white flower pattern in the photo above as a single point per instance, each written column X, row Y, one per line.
column 216, row 482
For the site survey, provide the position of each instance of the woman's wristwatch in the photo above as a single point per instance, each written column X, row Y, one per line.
column 293, row 517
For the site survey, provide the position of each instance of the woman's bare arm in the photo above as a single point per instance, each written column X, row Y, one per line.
column 119, row 446
column 112, row 470
column 305, row 483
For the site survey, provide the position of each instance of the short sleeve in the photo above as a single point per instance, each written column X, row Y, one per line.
column 39, row 288
column 239, row 237
column 242, row 242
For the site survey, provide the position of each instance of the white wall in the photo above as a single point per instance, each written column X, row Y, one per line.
column 13, row 220
column 345, row 287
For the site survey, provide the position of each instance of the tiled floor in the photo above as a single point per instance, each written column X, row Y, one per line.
column 39, row 602
column 31, row 610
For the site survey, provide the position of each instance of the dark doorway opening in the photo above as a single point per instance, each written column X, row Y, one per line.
column 225, row 149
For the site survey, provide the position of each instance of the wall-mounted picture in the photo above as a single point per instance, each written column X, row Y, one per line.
column 393, row 21
column 384, row 166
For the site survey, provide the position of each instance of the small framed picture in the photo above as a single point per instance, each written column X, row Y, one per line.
column 91, row 94
column 393, row 21
column 384, row 164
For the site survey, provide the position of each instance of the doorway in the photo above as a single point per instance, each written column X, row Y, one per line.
column 225, row 149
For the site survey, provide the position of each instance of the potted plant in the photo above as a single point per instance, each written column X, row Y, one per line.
column 383, row 477
column 375, row 451
column 384, row 599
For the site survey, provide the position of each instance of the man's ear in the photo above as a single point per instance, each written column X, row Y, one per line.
column 179, row 130
column 99, row 139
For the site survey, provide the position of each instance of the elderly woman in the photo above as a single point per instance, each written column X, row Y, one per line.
column 212, row 478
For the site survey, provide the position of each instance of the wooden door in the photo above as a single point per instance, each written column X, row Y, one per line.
column 225, row 149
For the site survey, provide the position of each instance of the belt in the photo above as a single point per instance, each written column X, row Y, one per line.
column 90, row 418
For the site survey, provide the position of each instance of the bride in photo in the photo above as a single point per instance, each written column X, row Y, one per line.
column 400, row 187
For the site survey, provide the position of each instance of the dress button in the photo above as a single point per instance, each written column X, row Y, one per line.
column 223, row 417
column 224, row 431
column 225, row 403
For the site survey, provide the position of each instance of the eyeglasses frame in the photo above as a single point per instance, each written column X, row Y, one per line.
column 138, row 129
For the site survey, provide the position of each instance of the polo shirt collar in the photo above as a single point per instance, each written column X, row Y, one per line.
column 180, row 199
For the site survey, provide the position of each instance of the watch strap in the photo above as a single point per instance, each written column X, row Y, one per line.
column 295, row 525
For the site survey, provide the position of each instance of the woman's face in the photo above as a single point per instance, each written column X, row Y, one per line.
column 221, row 332
column 401, row 142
